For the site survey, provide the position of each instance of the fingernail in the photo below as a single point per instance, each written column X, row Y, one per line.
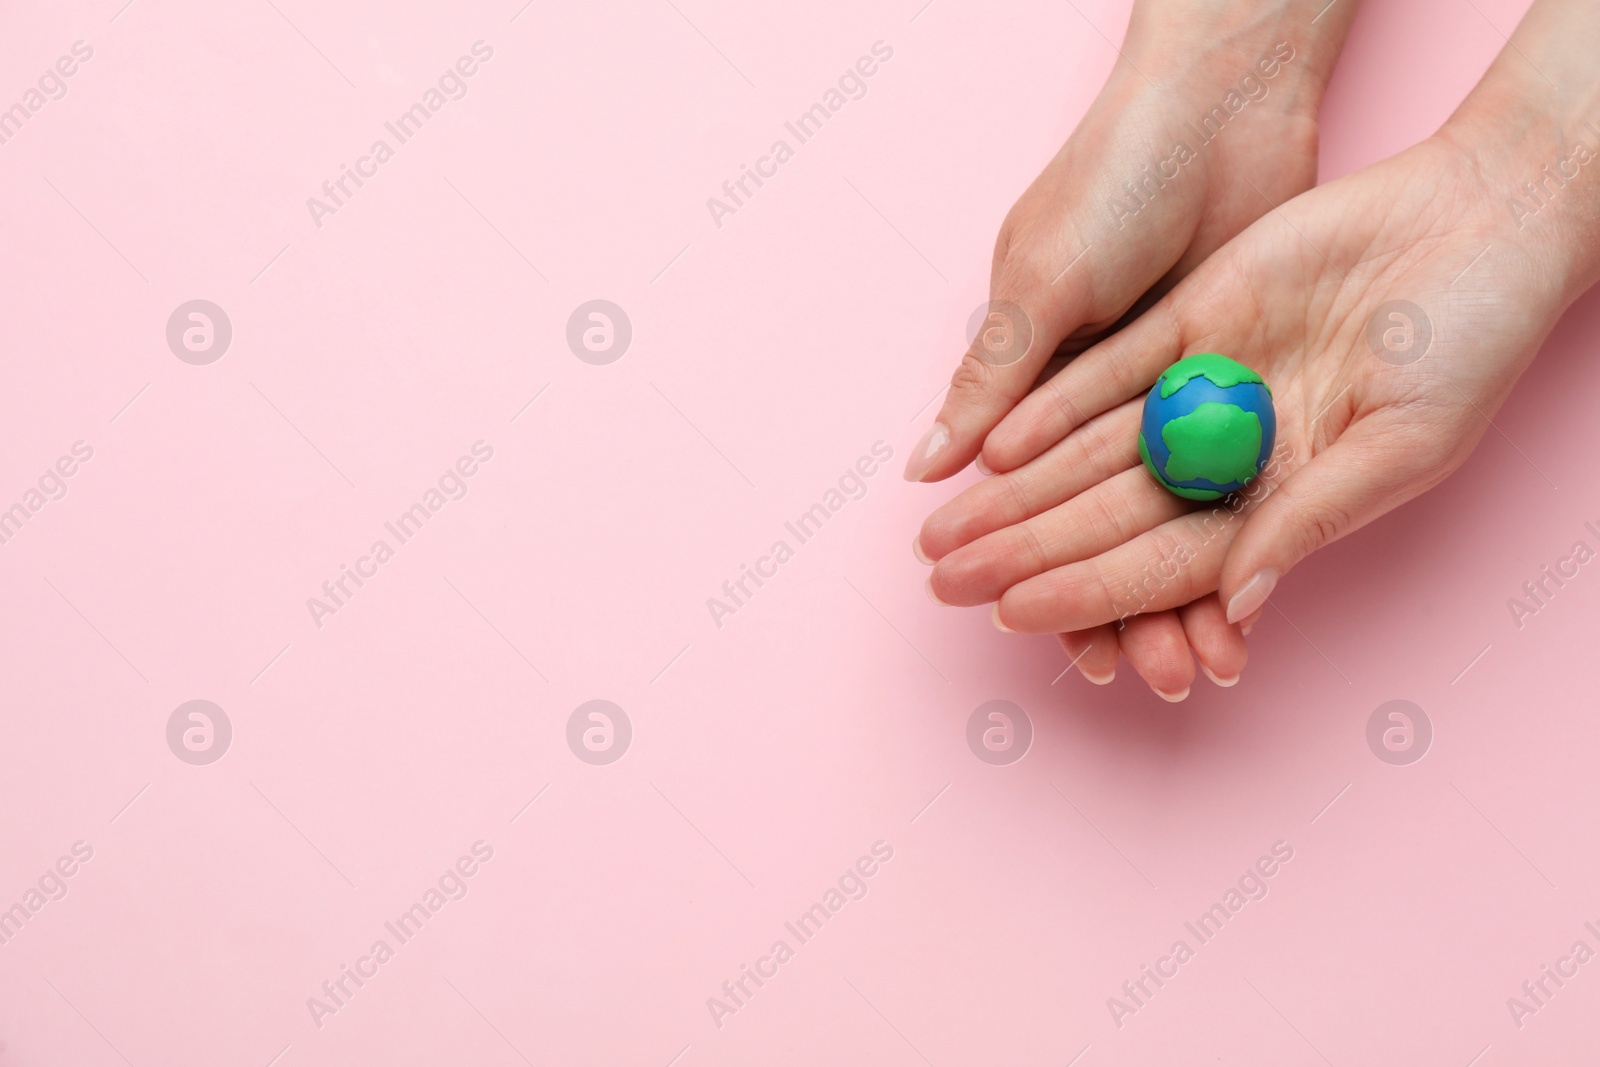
column 932, row 595
column 1173, row 698
column 998, row 625
column 1253, row 596
column 1224, row 682
column 1246, row 628
column 933, row 442
column 1099, row 679
column 983, row 468
column 916, row 550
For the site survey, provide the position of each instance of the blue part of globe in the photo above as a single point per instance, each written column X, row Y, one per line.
column 1159, row 410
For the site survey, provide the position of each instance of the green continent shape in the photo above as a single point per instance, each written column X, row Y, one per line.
column 1219, row 370
column 1189, row 494
column 1217, row 442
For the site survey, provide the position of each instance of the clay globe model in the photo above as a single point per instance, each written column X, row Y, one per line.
column 1208, row 427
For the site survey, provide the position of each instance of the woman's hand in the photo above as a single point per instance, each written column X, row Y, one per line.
column 1212, row 105
column 1390, row 312
column 1207, row 120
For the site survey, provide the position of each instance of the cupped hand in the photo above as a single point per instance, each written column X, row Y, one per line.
column 1209, row 118
column 1390, row 312
column 1211, row 110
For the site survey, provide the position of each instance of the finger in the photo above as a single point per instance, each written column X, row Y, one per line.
column 1374, row 467
column 1118, row 369
column 1104, row 447
column 1028, row 315
column 1248, row 623
column 1167, row 567
column 1106, row 515
column 1218, row 644
column 1094, row 652
column 1157, row 648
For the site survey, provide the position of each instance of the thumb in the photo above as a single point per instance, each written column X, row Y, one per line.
column 1368, row 471
column 1034, row 306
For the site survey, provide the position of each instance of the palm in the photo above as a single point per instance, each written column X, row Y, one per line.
column 1296, row 298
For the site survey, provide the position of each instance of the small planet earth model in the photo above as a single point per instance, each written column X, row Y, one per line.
column 1208, row 427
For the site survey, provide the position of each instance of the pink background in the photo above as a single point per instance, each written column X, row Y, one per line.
column 829, row 713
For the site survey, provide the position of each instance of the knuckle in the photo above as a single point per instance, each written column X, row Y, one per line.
column 1061, row 395
column 1017, row 494
column 1118, row 371
column 1173, row 568
column 1028, row 548
column 1313, row 522
column 1321, row 525
column 1098, row 443
column 1004, row 239
column 1026, row 264
column 1124, row 514
column 1105, row 597
column 1164, row 545
column 972, row 379
column 1108, row 518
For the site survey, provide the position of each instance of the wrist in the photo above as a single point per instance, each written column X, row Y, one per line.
column 1536, row 154
column 1266, row 52
column 1531, row 130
